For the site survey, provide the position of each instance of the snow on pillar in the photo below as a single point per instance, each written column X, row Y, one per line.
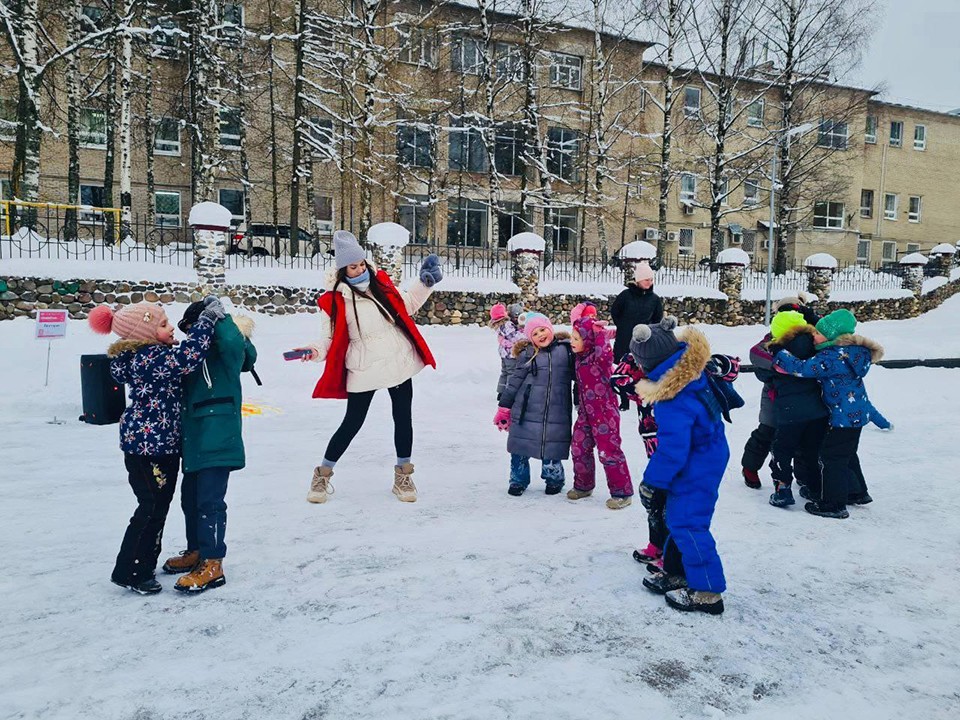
column 820, row 269
column 913, row 265
column 941, row 257
column 211, row 229
column 388, row 239
column 526, row 249
column 632, row 253
column 732, row 262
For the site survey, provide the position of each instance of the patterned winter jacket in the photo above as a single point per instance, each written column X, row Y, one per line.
column 840, row 368
column 151, row 423
column 594, row 367
column 507, row 336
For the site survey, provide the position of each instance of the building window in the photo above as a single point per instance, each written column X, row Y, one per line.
column 920, row 137
column 413, row 146
column 889, row 250
column 319, row 136
column 913, row 248
column 467, row 151
column 890, row 201
column 508, row 151
column 566, row 71
column 414, row 215
column 232, row 22
column 563, row 151
column 509, row 62
column 755, row 113
column 167, row 207
column 418, row 46
column 92, row 196
column 749, row 243
column 866, row 203
column 685, row 246
column 896, row 133
column 833, row 134
column 93, row 129
column 466, row 222
column 691, row 101
column 232, row 200
column 751, row 192
column 915, row 209
column 91, row 18
column 725, row 191
column 509, row 222
column 560, row 228
column 828, row 215
column 870, row 131
column 688, row 188
column 8, row 118
column 230, row 128
column 165, row 36
column 466, row 56
column 166, row 138
column 863, row 251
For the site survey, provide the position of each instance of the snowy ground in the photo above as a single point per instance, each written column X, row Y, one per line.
column 470, row 603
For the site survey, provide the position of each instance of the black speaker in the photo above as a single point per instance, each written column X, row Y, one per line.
column 104, row 399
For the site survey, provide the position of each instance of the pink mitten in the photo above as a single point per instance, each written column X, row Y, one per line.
column 502, row 419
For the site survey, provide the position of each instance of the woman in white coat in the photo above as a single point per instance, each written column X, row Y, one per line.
column 369, row 342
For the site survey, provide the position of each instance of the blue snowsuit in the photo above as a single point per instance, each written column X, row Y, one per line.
column 691, row 456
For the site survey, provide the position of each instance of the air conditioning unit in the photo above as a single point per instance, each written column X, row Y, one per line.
column 687, row 209
column 672, row 236
column 651, row 234
column 325, row 227
column 765, row 244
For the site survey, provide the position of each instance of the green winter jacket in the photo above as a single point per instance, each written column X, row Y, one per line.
column 212, row 398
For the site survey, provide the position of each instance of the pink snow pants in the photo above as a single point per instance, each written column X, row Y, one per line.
column 602, row 431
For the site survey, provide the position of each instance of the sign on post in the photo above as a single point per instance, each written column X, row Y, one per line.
column 51, row 324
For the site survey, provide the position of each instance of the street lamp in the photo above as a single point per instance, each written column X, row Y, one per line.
column 784, row 137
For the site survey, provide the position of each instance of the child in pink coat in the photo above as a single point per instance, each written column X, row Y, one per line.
column 598, row 418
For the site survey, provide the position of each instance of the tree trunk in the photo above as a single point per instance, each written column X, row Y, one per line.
column 73, row 123
column 126, row 120
column 666, row 171
column 274, row 148
column 25, row 180
column 298, row 123
column 150, row 131
column 720, row 130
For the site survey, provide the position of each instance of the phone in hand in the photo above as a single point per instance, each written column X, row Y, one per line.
column 297, row 354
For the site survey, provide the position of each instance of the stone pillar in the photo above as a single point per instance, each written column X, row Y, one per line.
column 941, row 257
column 526, row 275
column 913, row 279
column 387, row 240
column 390, row 260
column 629, row 267
column 730, row 264
column 820, row 269
column 211, row 230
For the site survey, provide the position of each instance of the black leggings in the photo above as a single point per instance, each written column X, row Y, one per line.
column 357, row 405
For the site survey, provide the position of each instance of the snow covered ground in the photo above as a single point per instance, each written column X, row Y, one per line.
column 470, row 603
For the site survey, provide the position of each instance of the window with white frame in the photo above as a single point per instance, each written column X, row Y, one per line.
column 93, row 129
column 466, row 222
column 691, row 101
column 755, row 112
column 685, row 245
column 828, row 215
column 896, row 133
column 863, row 251
column 508, row 149
column 915, row 209
column 890, row 202
column 166, row 137
column 563, row 153
column 167, row 208
column 870, row 130
column 751, row 191
column 509, row 222
column 833, row 134
column 866, row 203
column 920, row 137
column 413, row 213
column 560, row 227
column 92, row 196
column 466, row 55
column 913, row 247
column 566, row 71
column 418, row 46
column 509, row 59
column 230, row 128
column 8, row 118
column 889, row 250
column 688, row 188
column 414, row 147
column 466, row 149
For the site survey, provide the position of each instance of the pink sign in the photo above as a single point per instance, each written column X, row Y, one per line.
column 51, row 324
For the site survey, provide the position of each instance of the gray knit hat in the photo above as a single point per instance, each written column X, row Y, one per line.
column 652, row 344
column 514, row 310
column 346, row 249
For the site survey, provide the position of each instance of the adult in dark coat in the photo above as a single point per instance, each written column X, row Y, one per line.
column 637, row 305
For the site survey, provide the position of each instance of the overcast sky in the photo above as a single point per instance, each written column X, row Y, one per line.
column 916, row 54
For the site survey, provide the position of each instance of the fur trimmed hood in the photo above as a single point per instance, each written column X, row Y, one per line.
column 520, row 345
column 688, row 367
column 875, row 348
column 245, row 325
column 122, row 346
column 790, row 335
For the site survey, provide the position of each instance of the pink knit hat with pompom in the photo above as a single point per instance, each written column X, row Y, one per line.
column 498, row 312
column 139, row 321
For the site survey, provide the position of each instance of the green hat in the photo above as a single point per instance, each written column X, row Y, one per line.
column 837, row 323
column 784, row 321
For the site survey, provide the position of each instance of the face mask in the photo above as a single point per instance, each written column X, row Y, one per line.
column 360, row 282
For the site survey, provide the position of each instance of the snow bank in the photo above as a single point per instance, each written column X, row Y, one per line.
column 126, row 270
column 210, row 213
column 820, row 260
column 637, row 250
column 931, row 284
column 943, row 249
column 388, row 235
column 914, row 259
column 733, row 256
column 526, row 241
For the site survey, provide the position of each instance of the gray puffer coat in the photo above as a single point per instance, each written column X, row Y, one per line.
column 539, row 394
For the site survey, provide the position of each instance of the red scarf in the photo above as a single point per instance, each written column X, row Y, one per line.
column 333, row 382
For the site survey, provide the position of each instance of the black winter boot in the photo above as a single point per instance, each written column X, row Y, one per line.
column 687, row 600
column 662, row 583
column 863, row 499
column 149, row 586
column 827, row 509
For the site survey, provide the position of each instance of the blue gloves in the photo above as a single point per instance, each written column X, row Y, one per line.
column 430, row 273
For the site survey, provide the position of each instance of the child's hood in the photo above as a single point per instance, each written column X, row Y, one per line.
column 875, row 348
column 561, row 336
column 122, row 346
column 245, row 325
column 687, row 368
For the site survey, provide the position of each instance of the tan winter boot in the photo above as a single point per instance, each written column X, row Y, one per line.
column 618, row 503
column 320, row 487
column 182, row 562
column 575, row 494
column 403, row 486
column 208, row 574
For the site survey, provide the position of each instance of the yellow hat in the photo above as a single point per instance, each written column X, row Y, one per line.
column 785, row 321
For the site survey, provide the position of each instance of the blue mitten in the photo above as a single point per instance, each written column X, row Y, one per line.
column 430, row 273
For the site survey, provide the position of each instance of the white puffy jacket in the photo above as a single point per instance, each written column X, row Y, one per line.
column 380, row 355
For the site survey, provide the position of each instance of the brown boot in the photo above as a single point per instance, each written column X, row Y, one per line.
column 208, row 574
column 403, row 486
column 320, row 487
column 183, row 561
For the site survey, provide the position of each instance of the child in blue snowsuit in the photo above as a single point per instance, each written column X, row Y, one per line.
column 689, row 462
